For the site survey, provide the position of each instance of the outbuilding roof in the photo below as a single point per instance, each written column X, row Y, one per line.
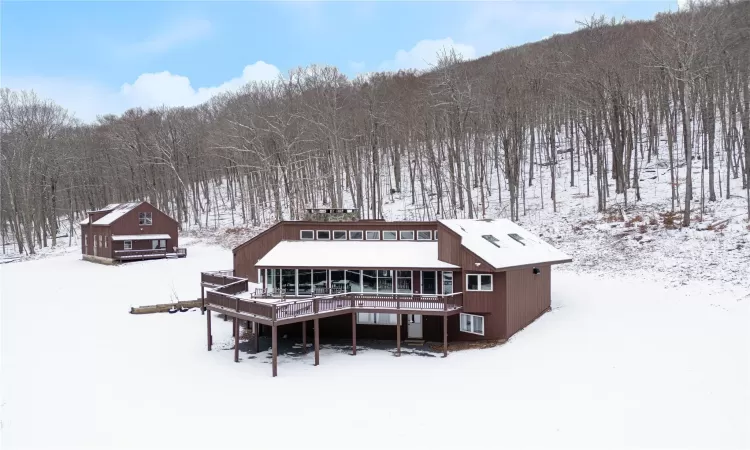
column 355, row 254
column 503, row 244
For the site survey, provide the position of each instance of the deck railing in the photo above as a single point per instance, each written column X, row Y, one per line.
column 141, row 253
column 280, row 309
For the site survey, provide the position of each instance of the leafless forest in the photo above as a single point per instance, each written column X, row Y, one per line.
column 601, row 100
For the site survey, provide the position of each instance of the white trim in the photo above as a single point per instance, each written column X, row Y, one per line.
column 479, row 282
column 307, row 238
column 372, row 231
column 317, row 235
column 361, row 235
column 395, row 235
column 424, row 231
column 339, row 231
column 401, row 235
column 139, row 237
column 472, row 318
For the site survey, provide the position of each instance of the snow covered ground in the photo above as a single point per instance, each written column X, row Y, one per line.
column 618, row 362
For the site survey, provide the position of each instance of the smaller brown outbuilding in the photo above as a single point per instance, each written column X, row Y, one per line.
column 129, row 231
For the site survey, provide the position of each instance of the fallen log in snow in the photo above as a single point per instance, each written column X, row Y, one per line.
column 165, row 307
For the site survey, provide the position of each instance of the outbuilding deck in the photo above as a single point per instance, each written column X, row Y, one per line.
column 224, row 293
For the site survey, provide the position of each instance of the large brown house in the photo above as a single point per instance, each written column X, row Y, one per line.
column 127, row 231
column 456, row 280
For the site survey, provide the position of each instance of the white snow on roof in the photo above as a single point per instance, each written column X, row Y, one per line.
column 373, row 254
column 84, row 221
column 494, row 241
column 138, row 237
column 119, row 211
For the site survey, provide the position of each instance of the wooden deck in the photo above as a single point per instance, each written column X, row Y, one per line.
column 224, row 293
column 135, row 255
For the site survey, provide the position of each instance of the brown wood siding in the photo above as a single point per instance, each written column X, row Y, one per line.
column 528, row 297
column 245, row 256
column 449, row 245
column 161, row 224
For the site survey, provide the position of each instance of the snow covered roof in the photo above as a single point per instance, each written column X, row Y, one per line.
column 503, row 244
column 119, row 210
column 361, row 254
column 138, row 237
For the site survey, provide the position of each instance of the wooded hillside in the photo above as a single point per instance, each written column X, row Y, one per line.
column 600, row 101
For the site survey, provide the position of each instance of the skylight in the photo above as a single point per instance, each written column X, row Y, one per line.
column 516, row 238
column 492, row 239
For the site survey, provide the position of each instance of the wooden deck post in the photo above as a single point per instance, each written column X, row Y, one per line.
column 236, row 326
column 208, row 330
column 316, row 331
column 203, row 300
column 354, row 333
column 398, row 335
column 304, row 337
column 274, row 350
column 256, row 333
column 445, row 336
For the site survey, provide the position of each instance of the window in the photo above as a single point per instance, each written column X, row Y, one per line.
column 324, row 235
column 355, row 235
column 475, row 282
column 424, row 235
column 389, row 236
column 105, row 241
column 127, row 245
column 492, row 240
column 373, row 235
column 516, row 238
column 158, row 244
column 339, row 235
column 447, row 282
column 377, row 319
column 406, row 235
column 471, row 323
column 306, row 234
column 403, row 281
column 434, row 235
column 144, row 218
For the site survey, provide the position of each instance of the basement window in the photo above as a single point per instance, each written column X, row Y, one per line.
column 339, row 235
column 516, row 238
column 424, row 235
column 471, row 323
column 390, row 235
column 306, row 235
column 479, row 282
column 324, row 235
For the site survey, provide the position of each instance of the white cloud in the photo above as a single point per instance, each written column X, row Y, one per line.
column 88, row 99
column 424, row 54
column 175, row 35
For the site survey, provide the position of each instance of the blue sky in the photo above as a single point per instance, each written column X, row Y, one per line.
column 99, row 57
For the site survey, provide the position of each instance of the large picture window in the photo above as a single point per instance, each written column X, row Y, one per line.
column 471, row 323
column 479, row 282
column 403, row 281
column 377, row 319
column 144, row 218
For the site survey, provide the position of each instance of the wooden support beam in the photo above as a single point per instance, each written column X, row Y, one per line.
column 316, row 331
column 203, row 300
column 304, row 337
column 236, row 326
column 256, row 333
column 274, row 350
column 208, row 330
column 398, row 335
column 354, row 333
column 445, row 336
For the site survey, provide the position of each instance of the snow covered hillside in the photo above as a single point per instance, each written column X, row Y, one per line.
column 618, row 362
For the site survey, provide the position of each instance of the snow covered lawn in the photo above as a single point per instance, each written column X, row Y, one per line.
column 617, row 363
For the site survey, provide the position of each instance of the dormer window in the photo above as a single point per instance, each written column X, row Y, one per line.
column 144, row 218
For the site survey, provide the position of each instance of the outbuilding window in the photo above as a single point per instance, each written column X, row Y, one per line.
column 479, row 282
column 471, row 323
column 127, row 245
column 306, row 235
column 144, row 218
